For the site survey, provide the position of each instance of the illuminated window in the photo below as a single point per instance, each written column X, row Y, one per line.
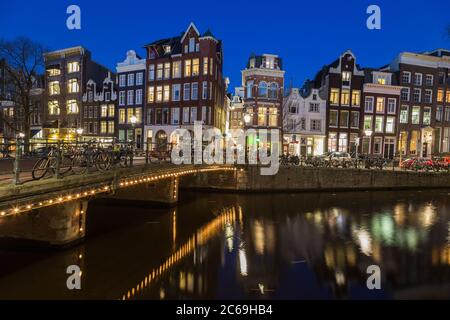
column 122, row 116
column 159, row 94
column 205, row 65
column 334, row 96
column 390, row 124
column 111, row 110
column 262, row 116
column 151, row 94
column 103, row 127
column 176, row 69
column 368, row 122
column 53, row 72
column 273, row 117
column 138, row 114
column 72, row 106
column 187, row 68
column 159, row 71
column 356, row 98
column 53, row 87
column 346, row 76
column 345, row 97
column 379, row 124
column 73, row 66
column 440, row 95
column 404, row 114
column 72, row 86
column 166, row 93
column 53, row 107
column 415, row 115
column 426, row 115
column 447, row 96
column 195, row 67
column 167, row 70
column 104, row 111
column 380, row 105
column 111, row 126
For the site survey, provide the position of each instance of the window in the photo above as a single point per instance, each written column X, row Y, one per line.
column 53, row 107
column 406, row 77
column 404, row 114
column 194, row 94
column 345, row 97
column 356, row 98
column 447, row 114
column 368, row 122
column 368, row 104
column 130, row 81
column 53, row 72
column 138, row 114
column 380, row 105
column 426, row 115
column 343, row 141
column 441, row 78
column 139, row 96
column 354, row 121
column 429, row 80
column 175, row 115
column 392, row 105
column 103, row 127
column 159, row 71
column 130, row 97
column 302, row 124
column 205, row 90
column 343, row 120
column 185, row 115
column 273, row 117
column 191, row 44
column 72, row 86
column 379, row 123
column 439, row 113
column 332, row 142
column 316, row 125
column 250, row 89
column 390, row 124
column 273, row 91
column 204, row 114
column 121, row 98
column 415, row 115
column 165, row 115
column 381, row 79
column 54, row 88
column 166, row 93
column 262, row 116
column 107, row 96
column 346, row 76
column 416, row 95
column 111, row 110
column 440, row 95
column 176, row 69
column 377, row 141
column 405, row 94
column 211, row 66
column 447, row 96
column 195, row 67
column 159, row 94
column 314, row 107
column 72, row 106
column 262, row 89
column 334, row 96
column 176, row 92
column 187, row 68
column 151, row 94
column 167, row 70
column 139, row 78
column 158, row 118
column 193, row 114
column 122, row 116
column 428, row 96
column 186, row 91
column 205, row 65
column 103, row 111
column 333, row 118
column 417, row 79
column 111, row 126
column 151, row 72
column 73, row 66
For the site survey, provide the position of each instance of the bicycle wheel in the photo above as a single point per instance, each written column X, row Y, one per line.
column 66, row 165
column 40, row 168
column 103, row 161
column 79, row 164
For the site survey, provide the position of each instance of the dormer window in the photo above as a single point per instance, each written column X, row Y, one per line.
column 346, row 76
column 167, row 49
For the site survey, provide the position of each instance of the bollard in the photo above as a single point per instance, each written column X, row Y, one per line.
column 16, row 168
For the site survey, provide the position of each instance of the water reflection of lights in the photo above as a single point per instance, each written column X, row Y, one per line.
column 340, row 277
column 364, row 240
column 200, row 238
column 427, row 216
column 243, row 262
column 229, row 236
column 383, row 228
column 258, row 237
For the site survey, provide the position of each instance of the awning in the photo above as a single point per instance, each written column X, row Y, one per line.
column 51, row 125
column 34, row 132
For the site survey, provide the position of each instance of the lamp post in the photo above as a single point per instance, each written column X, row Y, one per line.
column 368, row 134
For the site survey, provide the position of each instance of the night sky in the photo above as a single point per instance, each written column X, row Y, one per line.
column 306, row 34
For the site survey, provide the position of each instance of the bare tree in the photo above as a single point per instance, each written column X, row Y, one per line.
column 23, row 61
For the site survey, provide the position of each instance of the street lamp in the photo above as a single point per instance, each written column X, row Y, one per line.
column 247, row 118
column 21, row 135
column 133, row 121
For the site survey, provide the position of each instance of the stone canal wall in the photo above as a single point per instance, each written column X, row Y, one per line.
column 293, row 178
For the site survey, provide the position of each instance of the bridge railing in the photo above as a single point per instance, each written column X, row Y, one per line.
column 22, row 162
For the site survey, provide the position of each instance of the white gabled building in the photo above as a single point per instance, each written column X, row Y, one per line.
column 304, row 121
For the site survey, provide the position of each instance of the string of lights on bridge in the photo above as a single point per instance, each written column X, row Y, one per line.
column 101, row 189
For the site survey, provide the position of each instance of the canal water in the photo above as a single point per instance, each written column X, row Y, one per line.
column 261, row 246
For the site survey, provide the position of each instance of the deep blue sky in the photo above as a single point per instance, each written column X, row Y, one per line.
column 306, row 34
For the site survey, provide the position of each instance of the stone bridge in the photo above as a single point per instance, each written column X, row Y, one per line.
column 53, row 211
